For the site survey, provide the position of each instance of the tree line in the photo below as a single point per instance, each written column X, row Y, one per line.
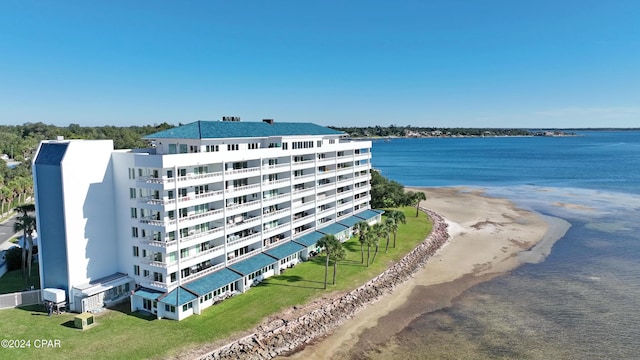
column 415, row 131
column 19, row 143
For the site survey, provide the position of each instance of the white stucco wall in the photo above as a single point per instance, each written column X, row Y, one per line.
column 89, row 210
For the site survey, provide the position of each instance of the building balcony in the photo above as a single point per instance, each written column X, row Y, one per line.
column 304, row 218
column 272, row 199
column 299, row 178
column 157, row 285
column 203, row 272
column 242, row 257
column 235, row 226
column 208, row 194
column 281, row 212
column 244, row 171
column 304, row 192
column 279, row 242
column 197, row 235
column 326, row 161
column 302, row 164
column 154, row 263
column 345, row 170
column 151, row 220
column 240, row 189
column 270, row 169
column 201, row 215
column 276, row 228
column 233, row 207
column 249, row 239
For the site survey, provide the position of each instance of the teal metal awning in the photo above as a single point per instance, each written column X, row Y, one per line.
column 369, row 214
column 212, row 282
column 148, row 294
column 252, row 264
column 284, row 250
column 178, row 296
column 350, row 221
column 333, row 229
column 309, row 239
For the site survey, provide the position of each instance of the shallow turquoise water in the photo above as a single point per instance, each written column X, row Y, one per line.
column 582, row 301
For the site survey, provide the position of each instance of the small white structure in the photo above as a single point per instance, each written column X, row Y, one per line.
column 54, row 295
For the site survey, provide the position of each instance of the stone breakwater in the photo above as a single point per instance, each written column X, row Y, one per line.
column 283, row 336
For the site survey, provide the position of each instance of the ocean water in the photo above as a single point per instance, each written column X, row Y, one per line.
column 582, row 301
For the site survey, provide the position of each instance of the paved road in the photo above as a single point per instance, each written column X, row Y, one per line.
column 6, row 232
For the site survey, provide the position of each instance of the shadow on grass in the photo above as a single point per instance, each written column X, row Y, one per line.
column 125, row 308
column 295, row 278
column 298, row 286
column 352, row 246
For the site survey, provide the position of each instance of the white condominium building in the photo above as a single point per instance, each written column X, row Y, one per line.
column 213, row 208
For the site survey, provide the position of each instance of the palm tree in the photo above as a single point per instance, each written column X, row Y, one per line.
column 391, row 226
column 378, row 231
column 27, row 224
column 363, row 229
column 5, row 195
column 328, row 243
column 398, row 217
column 416, row 198
column 337, row 253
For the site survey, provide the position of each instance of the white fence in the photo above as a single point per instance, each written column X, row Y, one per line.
column 30, row 297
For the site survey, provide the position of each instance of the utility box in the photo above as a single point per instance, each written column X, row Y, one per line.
column 83, row 321
column 56, row 296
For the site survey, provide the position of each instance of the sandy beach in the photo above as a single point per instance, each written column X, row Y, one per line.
column 488, row 237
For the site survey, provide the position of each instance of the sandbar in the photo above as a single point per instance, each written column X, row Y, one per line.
column 488, row 237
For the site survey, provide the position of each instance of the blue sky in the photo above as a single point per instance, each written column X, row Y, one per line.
column 443, row 63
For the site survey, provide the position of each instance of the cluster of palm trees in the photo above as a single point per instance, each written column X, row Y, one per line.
column 14, row 191
column 26, row 224
column 369, row 235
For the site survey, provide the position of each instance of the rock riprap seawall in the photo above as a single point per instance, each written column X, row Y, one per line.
column 282, row 336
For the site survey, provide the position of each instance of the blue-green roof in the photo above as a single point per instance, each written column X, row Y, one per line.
column 237, row 129
column 252, row 264
column 148, row 294
column 369, row 214
column 212, row 282
column 284, row 250
column 182, row 296
column 333, row 229
column 350, row 221
column 309, row 239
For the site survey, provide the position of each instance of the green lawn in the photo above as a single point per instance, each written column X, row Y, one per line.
column 12, row 281
column 121, row 335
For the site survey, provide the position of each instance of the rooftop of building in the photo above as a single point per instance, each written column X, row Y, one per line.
column 236, row 129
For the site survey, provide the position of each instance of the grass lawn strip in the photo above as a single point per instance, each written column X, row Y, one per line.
column 122, row 335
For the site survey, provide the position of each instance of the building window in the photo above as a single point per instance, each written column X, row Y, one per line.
column 169, row 308
column 172, row 149
column 319, row 144
column 183, row 149
column 332, row 141
column 145, row 273
column 132, row 173
column 184, row 253
column 233, row 147
column 157, row 277
column 254, row 146
column 136, row 269
column 187, row 306
column 136, row 251
column 285, row 146
column 134, row 213
column 212, row 148
column 134, row 232
column 173, row 276
column 132, row 193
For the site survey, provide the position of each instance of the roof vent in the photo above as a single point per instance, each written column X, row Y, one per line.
column 231, row 118
column 268, row 121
